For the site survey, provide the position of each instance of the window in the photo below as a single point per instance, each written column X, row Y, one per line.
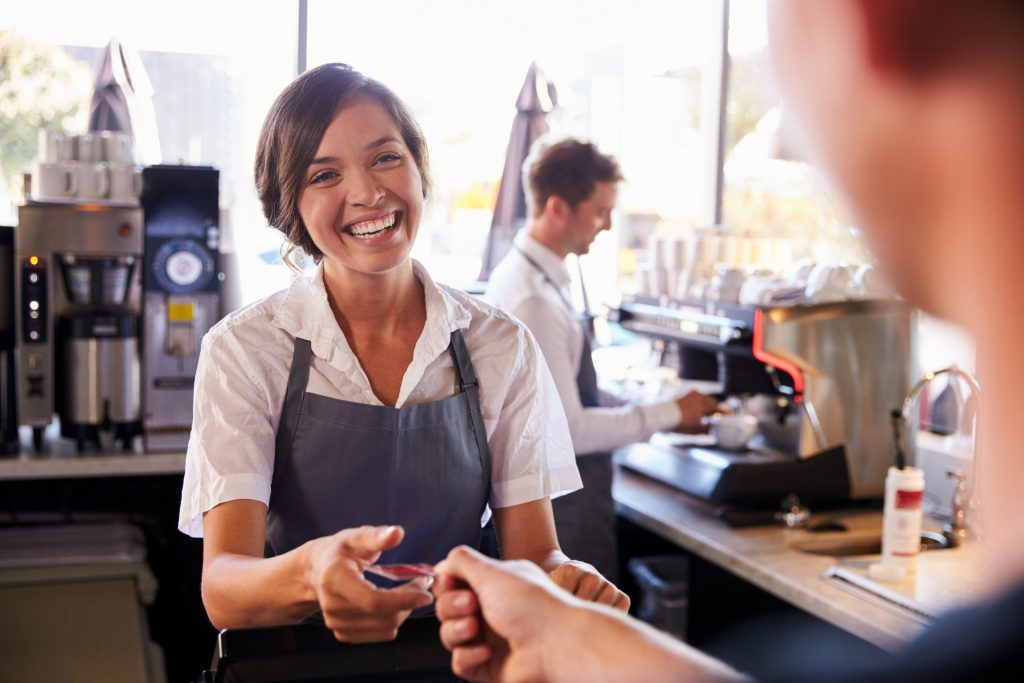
column 629, row 78
column 212, row 80
column 775, row 205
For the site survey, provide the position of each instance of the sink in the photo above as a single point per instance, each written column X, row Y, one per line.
column 858, row 542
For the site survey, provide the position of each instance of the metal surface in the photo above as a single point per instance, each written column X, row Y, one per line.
column 857, row 359
column 170, row 371
column 102, row 381
column 52, row 232
column 181, row 294
column 836, row 371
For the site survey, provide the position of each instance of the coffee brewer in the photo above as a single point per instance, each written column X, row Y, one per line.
column 8, row 393
column 825, row 376
column 182, row 294
column 78, row 302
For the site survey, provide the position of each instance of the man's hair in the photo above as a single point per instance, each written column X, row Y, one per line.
column 569, row 169
column 292, row 132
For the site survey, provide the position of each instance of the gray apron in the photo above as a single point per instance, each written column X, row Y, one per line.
column 340, row 464
column 585, row 520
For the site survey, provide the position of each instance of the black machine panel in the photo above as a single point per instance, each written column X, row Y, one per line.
column 181, row 215
column 8, row 391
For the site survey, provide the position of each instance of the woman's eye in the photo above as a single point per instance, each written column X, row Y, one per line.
column 388, row 157
column 322, row 176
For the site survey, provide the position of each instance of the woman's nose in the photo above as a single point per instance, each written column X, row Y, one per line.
column 364, row 190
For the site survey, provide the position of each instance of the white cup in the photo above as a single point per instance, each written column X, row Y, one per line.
column 725, row 284
column 125, row 182
column 733, row 430
column 89, row 146
column 91, row 179
column 54, row 146
column 53, row 181
column 828, row 282
column 118, row 147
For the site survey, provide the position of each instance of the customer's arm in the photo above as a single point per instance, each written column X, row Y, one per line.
column 505, row 622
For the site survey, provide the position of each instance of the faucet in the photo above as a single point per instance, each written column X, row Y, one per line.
column 956, row 528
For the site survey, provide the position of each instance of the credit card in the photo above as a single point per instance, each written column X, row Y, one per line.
column 402, row 572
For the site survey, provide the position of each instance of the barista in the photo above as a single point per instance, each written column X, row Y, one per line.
column 572, row 192
column 365, row 414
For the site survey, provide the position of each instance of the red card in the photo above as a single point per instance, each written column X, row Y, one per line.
column 402, row 572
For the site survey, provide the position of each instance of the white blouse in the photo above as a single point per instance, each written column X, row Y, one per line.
column 243, row 374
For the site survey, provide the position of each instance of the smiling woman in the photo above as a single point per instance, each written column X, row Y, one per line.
column 366, row 414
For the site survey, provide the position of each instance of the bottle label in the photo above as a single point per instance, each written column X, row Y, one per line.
column 908, row 500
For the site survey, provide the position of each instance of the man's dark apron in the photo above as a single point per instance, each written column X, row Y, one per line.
column 585, row 519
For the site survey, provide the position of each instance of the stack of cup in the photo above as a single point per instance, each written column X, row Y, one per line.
column 90, row 166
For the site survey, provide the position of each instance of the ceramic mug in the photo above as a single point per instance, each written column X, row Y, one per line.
column 733, row 430
column 89, row 147
column 125, row 182
column 54, row 146
column 118, row 147
column 53, row 181
column 92, row 181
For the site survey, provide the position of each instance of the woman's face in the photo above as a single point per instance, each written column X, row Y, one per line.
column 362, row 196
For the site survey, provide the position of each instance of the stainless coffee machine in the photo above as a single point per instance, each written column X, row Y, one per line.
column 824, row 378
column 182, row 294
column 78, row 304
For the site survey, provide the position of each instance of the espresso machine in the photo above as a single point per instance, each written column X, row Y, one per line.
column 8, row 393
column 78, row 304
column 825, row 377
column 182, row 294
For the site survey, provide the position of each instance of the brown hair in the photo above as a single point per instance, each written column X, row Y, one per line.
column 291, row 134
column 569, row 169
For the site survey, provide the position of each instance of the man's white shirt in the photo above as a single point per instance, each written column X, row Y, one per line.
column 540, row 300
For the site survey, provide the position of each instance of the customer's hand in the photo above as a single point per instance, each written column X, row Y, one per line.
column 695, row 406
column 498, row 618
column 586, row 583
column 354, row 609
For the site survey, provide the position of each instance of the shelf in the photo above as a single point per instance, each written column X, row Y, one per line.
column 75, row 465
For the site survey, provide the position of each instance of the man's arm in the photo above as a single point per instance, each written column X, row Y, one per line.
column 593, row 429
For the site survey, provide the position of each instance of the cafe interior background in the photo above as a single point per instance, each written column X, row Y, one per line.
column 681, row 93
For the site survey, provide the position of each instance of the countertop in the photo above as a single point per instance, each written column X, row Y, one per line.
column 886, row 614
column 765, row 556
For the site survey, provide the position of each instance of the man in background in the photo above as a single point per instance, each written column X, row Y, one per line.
column 915, row 108
column 572, row 190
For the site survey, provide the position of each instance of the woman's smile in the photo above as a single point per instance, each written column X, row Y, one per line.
column 370, row 230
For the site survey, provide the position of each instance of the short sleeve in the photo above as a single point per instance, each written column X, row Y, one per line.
column 531, row 450
column 231, row 447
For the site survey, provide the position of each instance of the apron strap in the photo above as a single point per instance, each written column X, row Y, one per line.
column 298, row 378
column 470, row 388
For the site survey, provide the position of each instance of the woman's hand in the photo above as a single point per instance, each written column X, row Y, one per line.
column 586, row 583
column 354, row 609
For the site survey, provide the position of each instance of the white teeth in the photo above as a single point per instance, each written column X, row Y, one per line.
column 367, row 228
